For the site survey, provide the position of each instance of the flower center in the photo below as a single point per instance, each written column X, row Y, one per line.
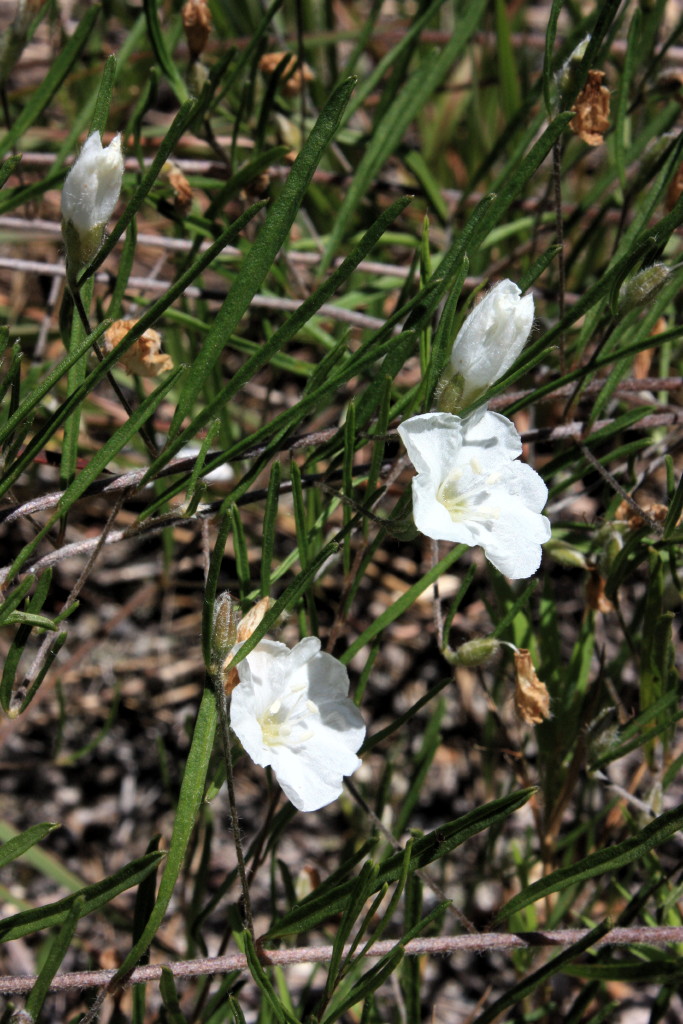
column 467, row 496
column 286, row 722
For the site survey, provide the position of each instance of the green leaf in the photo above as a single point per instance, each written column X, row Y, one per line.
column 94, row 897
column 328, row 900
column 601, row 862
column 103, row 102
column 261, row 256
column 8, row 167
column 191, row 793
column 283, row 335
column 18, row 845
column 525, row 987
column 404, row 602
column 548, row 58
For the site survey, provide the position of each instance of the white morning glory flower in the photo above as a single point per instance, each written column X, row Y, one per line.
column 291, row 710
column 90, row 193
column 471, row 489
column 489, row 341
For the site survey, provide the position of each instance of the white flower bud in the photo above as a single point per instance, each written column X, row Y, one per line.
column 487, row 345
column 90, row 193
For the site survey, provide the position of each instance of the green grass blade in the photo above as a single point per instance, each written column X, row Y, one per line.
column 549, row 55
column 106, row 453
column 407, row 105
column 59, row 947
column 191, row 793
column 8, row 167
column 280, row 338
column 402, row 604
column 328, row 900
column 167, row 63
column 36, row 396
column 518, row 992
column 261, row 256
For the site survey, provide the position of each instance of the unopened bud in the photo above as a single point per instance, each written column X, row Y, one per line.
column 90, row 193
column 224, row 637
column 565, row 554
column 486, row 345
column 476, row 652
column 642, row 288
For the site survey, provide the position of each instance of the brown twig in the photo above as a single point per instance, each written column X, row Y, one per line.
column 206, row 966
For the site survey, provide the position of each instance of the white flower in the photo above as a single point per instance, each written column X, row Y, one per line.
column 490, row 340
column 291, row 711
column 471, row 489
column 90, row 193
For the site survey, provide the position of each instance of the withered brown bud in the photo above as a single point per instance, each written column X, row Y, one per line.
column 197, row 24
column 293, row 76
column 245, row 629
column 181, row 187
column 592, row 110
column 532, row 699
column 596, row 598
column 145, row 357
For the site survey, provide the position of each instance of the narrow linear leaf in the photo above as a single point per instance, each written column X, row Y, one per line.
column 94, row 897
column 328, row 900
column 602, row 862
column 15, row 847
column 410, row 101
column 59, row 69
column 59, row 947
column 191, row 793
column 280, row 338
column 166, row 61
column 518, row 992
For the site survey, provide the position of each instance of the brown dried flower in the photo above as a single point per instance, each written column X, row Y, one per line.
column 596, row 597
column 145, row 358
column 197, row 24
column 626, row 514
column 246, row 627
column 532, row 700
column 675, row 189
column 180, row 185
column 592, row 110
column 293, row 76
